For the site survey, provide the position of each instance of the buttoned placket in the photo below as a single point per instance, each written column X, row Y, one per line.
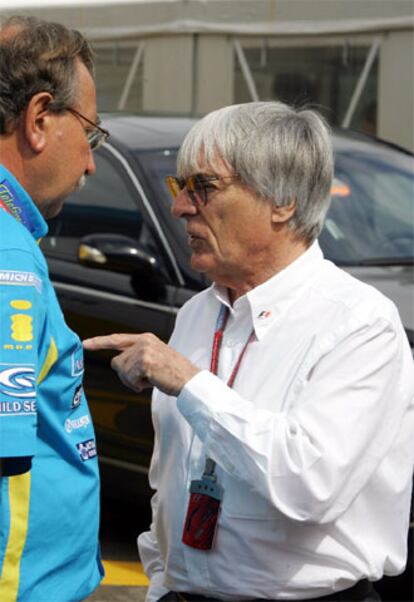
column 237, row 335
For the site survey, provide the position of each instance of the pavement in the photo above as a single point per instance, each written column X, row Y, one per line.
column 123, row 582
column 108, row 593
column 124, row 579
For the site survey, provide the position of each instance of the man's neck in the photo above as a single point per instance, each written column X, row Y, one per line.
column 285, row 255
column 10, row 157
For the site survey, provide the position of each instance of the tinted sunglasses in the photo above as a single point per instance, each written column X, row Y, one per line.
column 198, row 186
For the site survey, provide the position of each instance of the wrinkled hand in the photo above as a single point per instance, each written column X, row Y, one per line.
column 145, row 361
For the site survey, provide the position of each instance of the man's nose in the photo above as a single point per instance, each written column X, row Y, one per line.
column 182, row 205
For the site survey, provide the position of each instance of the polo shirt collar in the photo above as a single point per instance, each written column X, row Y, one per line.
column 15, row 200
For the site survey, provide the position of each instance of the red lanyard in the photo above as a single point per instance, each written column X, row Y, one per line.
column 215, row 352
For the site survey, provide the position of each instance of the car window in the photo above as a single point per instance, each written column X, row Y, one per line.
column 104, row 205
column 371, row 214
column 157, row 164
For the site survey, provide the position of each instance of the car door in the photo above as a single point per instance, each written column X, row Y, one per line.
column 97, row 299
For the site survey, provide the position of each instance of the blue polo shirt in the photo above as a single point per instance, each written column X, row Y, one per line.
column 49, row 503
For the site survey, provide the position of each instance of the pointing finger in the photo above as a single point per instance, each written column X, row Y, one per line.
column 118, row 342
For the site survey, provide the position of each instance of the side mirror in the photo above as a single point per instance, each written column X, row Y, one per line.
column 122, row 254
column 114, row 252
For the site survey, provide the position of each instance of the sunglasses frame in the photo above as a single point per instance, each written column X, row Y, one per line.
column 195, row 185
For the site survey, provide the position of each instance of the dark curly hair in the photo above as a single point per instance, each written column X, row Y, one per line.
column 38, row 56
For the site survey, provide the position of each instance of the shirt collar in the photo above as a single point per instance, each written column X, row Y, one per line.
column 270, row 300
column 15, row 200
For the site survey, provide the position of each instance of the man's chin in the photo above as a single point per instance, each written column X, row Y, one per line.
column 53, row 209
column 200, row 263
column 81, row 183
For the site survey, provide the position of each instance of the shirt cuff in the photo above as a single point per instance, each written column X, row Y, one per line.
column 206, row 399
column 156, row 589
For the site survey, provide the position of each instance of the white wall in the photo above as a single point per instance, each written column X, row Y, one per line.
column 189, row 59
column 396, row 89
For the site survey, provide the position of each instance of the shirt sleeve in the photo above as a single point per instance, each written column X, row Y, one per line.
column 21, row 318
column 312, row 460
column 147, row 542
column 154, row 569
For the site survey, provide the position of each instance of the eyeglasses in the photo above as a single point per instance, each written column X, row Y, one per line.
column 97, row 136
column 198, row 186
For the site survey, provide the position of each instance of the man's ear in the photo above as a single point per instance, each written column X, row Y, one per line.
column 283, row 214
column 37, row 121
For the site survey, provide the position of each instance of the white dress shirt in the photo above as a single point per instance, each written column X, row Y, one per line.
column 314, row 444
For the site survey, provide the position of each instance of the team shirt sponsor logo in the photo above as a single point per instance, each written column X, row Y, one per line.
column 21, row 326
column 9, row 201
column 20, row 278
column 17, row 381
column 17, row 408
column 18, row 347
column 87, row 449
column 77, row 362
column 77, row 398
column 77, row 423
column 3, row 205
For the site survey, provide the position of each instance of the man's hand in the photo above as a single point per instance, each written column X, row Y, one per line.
column 145, row 361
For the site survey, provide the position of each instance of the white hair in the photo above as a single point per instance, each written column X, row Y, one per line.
column 282, row 153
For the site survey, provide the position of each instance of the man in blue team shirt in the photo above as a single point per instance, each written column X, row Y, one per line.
column 49, row 483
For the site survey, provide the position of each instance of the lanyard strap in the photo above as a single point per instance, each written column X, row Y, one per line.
column 10, row 202
column 215, row 353
column 218, row 337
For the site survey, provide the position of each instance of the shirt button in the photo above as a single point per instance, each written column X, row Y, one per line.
column 231, row 343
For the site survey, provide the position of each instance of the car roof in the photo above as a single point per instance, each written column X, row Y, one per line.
column 345, row 139
column 146, row 132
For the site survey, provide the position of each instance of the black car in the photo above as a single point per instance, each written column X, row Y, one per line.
column 120, row 263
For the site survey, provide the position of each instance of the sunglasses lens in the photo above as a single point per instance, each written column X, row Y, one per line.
column 191, row 184
column 193, row 188
column 200, row 187
column 194, row 185
column 175, row 185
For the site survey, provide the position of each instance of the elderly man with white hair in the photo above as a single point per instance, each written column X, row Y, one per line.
column 283, row 404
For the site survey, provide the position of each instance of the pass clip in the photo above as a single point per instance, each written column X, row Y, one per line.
column 203, row 510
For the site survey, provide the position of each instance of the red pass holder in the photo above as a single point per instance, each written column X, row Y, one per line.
column 206, row 494
column 202, row 513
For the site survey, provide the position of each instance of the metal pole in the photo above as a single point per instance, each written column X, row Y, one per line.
column 359, row 88
column 130, row 77
column 244, row 66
